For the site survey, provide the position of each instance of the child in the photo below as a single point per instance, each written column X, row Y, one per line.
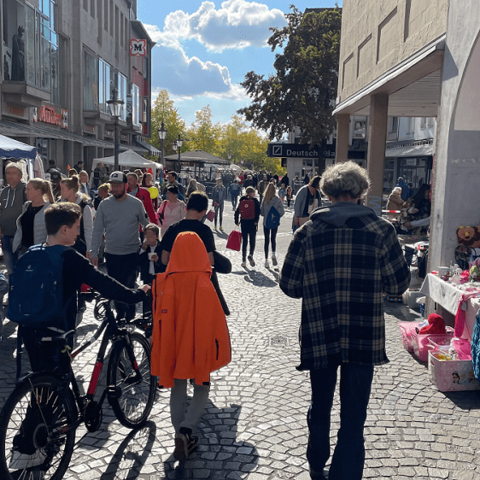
column 289, row 195
column 248, row 214
column 150, row 261
column 282, row 193
column 150, row 254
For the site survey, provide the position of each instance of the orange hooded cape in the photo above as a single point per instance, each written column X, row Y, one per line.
column 190, row 335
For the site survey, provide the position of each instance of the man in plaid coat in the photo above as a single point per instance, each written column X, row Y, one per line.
column 340, row 263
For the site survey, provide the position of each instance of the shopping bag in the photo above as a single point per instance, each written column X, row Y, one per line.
column 234, row 240
column 210, row 215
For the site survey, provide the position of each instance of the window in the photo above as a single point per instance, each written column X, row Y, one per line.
column 121, row 29
column 111, row 18
column 92, row 8
column 423, row 123
column 410, row 125
column 100, row 21
column 117, row 48
column 63, row 61
column 104, row 85
column 136, row 105
column 90, row 85
column 430, row 122
column 122, row 93
column 392, row 124
column 85, row 5
column 105, row 15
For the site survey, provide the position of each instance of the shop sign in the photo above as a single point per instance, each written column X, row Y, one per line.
column 90, row 129
column 50, row 116
column 138, row 47
column 300, row 150
column 17, row 111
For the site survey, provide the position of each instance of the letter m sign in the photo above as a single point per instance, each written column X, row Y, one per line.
column 138, row 48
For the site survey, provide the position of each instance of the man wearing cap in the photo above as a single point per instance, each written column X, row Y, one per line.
column 12, row 199
column 118, row 217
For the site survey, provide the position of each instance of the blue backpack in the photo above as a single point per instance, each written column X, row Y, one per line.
column 36, row 288
column 273, row 218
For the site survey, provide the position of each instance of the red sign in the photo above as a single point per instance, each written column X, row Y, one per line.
column 50, row 116
column 138, row 47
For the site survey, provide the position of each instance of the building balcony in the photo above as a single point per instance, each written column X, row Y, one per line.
column 23, row 94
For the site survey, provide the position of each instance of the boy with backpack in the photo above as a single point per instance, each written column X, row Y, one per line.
column 247, row 215
column 44, row 285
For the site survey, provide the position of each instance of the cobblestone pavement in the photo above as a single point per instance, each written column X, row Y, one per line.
column 254, row 426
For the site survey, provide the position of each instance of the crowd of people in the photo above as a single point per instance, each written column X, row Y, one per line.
column 340, row 262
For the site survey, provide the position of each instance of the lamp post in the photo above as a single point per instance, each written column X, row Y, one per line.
column 115, row 105
column 179, row 143
column 229, row 156
column 162, row 133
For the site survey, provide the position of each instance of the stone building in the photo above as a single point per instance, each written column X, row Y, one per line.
column 61, row 60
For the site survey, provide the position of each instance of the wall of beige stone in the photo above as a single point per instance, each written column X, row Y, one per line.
column 378, row 35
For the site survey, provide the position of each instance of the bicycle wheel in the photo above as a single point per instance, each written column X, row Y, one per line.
column 37, row 430
column 135, row 390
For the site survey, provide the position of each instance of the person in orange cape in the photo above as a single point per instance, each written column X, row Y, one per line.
column 190, row 335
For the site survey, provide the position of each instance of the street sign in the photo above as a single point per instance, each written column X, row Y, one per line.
column 299, row 150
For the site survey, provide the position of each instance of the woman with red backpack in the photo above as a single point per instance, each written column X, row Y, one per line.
column 247, row 215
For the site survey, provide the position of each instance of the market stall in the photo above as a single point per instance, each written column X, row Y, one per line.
column 13, row 150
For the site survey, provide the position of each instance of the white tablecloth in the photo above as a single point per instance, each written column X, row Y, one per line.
column 448, row 295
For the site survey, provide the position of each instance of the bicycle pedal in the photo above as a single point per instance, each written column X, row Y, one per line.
column 114, row 391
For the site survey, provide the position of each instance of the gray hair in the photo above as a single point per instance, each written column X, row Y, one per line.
column 397, row 190
column 345, row 179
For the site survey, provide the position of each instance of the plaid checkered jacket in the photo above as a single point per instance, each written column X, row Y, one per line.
column 340, row 263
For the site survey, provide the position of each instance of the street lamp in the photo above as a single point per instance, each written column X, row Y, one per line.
column 229, row 156
column 115, row 106
column 179, row 143
column 162, row 133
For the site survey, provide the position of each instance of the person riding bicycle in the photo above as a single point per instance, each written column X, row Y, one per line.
column 63, row 223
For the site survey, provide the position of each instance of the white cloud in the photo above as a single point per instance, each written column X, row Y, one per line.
column 236, row 24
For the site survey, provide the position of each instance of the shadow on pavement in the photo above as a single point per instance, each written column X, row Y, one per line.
column 218, row 445
column 131, row 454
column 259, row 279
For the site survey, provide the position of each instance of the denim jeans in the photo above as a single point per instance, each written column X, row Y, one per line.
column 349, row 456
column 219, row 213
column 8, row 255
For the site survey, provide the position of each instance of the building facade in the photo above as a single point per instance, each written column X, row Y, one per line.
column 61, row 61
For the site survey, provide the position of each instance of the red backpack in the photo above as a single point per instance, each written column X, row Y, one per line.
column 247, row 209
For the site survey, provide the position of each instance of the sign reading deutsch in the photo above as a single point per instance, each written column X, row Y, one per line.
column 299, row 150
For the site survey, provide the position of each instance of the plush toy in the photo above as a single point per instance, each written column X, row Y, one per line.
column 469, row 236
column 436, row 325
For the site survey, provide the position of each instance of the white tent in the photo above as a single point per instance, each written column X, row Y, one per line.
column 128, row 159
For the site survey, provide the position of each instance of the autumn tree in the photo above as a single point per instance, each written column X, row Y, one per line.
column 302, row 92
column 203, row 133
column 165, row 111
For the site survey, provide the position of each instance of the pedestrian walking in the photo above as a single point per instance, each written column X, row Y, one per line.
column 262, row 186
column 282, row 192
column 142, row 194
column 171, row 210
column 12, row 198
column 271, row 209
column 247, row 215
column 234, row 191
column 289, row 196
column 340, row 263
column 84, row 186
column 219, row 194
column 306, row 201
column 188, row 318
column 31, row 228
column 69, row 188
column 118, row 217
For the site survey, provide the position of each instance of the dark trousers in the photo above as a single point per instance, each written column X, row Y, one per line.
column 349, row 456
column 123, row 268
column 270, row 233
column 8, row 255
column 249, row 230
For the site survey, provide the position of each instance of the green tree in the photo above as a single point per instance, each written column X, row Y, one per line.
column 164, row 111
column 203, row 134
column 302, row 92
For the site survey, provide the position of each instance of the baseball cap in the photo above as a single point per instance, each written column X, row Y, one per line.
column 117, row 177
column 55, row 177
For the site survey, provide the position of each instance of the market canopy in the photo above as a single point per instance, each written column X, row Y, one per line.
column 197, row 156
column 128, row 159
column 10, row 148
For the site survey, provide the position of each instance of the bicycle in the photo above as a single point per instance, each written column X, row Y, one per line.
column 39, row 419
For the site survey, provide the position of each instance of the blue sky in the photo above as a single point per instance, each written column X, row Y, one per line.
column 205, row 48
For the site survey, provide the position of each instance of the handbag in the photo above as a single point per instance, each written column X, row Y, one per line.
column 234, row 240
column 210, row 215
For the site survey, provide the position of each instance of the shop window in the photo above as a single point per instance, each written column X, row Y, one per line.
column 90, row 85
column 30, row 43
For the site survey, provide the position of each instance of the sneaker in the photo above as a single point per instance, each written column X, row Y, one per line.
column 274, row 260
column 21, row 461
column 221, row 229
column 243, row 264
column 185, row 444
column 215, row 228
column 267, row 265
column 251, row 260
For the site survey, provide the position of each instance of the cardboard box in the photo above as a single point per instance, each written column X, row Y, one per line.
column 451, row 375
